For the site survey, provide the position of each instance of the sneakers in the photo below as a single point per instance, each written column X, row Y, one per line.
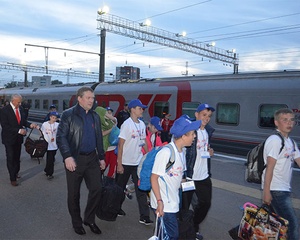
column 121, row 213
column 49, row 177
column 145, row 220
column 128, row 195
column 199, row 236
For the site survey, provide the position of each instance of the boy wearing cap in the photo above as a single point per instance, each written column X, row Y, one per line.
column 153, row 138
column 198, row 168
column 166, row 124
column 52, row 108
column 131, row 141
column 49, row 129
column 164, row 194
column 109, row 110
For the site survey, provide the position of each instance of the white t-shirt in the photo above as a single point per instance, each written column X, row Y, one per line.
column 282, row 173
column 49, row 132
column 200, row 167
column 169, row 187
column 134, row 135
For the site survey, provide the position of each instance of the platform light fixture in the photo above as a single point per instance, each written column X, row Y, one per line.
column 212, row 44
column 103, row 10
column 147, row 23
column 231, row 51
column 183, row 34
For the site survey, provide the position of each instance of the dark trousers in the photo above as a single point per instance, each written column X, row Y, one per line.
column 13, row 153
column 204, row 194
column 49, row 168
column 88, row 168
column 141, row 196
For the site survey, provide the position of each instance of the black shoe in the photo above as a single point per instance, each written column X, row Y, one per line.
column 49, row 177
column 121, row 213
column 94, row 228
column 14, row 183
column 146, row 220
column 128, row 195
column 79, row 230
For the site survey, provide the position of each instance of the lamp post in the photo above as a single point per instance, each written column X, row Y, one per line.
column 102, row 55
column 104, row 10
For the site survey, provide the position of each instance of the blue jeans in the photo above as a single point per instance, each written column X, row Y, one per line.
column 171, row 225
column 282, row 205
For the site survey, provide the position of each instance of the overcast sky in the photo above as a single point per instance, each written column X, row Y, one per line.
column 265, row 34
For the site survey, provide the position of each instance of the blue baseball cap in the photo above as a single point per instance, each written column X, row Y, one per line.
column 183, row 125
column 204, row 106
column 155, row 121
column 52, row 106
column 54, row 114
column 136, row 103
column 109, row 109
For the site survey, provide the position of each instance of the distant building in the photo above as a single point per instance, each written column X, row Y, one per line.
column 41, row 81
column 127, row 72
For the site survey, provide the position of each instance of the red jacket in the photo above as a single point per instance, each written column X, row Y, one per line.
column 157, row 141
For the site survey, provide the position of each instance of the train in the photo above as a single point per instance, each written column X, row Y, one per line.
column 244, row 102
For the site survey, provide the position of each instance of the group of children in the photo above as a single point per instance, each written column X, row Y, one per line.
column 189, row 137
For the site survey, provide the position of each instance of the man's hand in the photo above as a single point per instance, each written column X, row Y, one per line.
column 102, row 164
column 70, row 164
column 23, row 131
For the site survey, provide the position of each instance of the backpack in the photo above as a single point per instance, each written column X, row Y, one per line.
column 255, row 161
column 146, row 165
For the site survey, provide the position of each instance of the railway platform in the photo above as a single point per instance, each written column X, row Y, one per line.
column 37, row 208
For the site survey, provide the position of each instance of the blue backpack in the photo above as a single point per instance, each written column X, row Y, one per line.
column 146, row 165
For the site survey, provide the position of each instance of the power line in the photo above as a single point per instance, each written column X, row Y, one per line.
column 244, row 23
column 175, row 10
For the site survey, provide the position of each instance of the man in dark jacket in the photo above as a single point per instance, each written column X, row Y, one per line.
column 123, row 115
column 79, row 139
column 14, row 124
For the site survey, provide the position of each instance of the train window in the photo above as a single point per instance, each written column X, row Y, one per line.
column 45, row 104
column 160, row 108
column 228, row 113
column 266, row 114
column 65, row 104
column 30, row 102
column 37, row 104
column 56, row 103
column 189, row 108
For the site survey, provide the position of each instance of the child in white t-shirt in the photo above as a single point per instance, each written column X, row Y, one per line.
column 164, row 194
column 49, row 129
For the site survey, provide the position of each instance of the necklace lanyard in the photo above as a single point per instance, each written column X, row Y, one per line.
column 138, row 130
column 203, row 140
column 52, row 128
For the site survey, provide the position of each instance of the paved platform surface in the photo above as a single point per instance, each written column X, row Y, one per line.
column 37, row 208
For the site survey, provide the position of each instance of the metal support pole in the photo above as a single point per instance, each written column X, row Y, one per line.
column 46, row 58
column 102, row 55
column 25, row 78
column 235, row 65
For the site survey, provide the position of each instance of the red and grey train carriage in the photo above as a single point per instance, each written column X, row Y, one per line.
column 245, row 103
